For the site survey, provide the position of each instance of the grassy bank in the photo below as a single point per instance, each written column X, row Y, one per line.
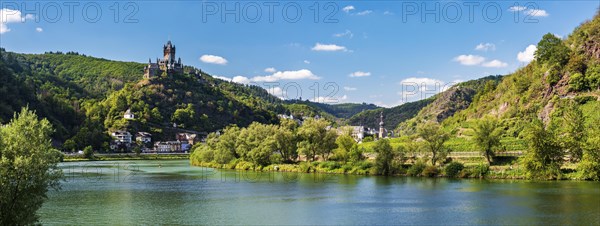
column 468, row 170
column 126, row 156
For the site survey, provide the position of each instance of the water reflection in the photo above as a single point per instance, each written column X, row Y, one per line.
column 141, row 192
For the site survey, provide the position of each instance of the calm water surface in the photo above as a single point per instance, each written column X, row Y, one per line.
column 173, row 192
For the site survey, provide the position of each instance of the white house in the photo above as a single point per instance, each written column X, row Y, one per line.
column 167, row 146
column 122, row 136
column 129, row 115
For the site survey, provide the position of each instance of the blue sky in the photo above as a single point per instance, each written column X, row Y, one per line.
column 382, row 52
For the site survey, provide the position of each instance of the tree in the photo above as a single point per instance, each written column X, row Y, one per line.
column 28, row 168
column 385, row 155
column 544, row 157
column 574, row 131
column 285, row 141
column 487, row 136
column 316, row 139
column 356, row 154
column 435, row 138
column 225, row 147
column 88, row 152
column 589, row 166
column 345, row 144
column 552, row 50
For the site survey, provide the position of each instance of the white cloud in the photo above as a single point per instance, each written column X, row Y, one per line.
column 39, row 29
column 388, row 13
column 517, row 8
column 360, row 74
column 421, row 81
column 469, row 60
column 330, row 100
column 222, row 78
column 11, row 16
column 270, row 70
column 363, row 13
column 3, row 28
column 494, row 63
column 306, row 62
column 347, row 9
column 277, row 91
column 346, row 33
column 527, row 55
column 212, row 59
column 537, row 13
column 280, row 75
column 418, row 88
column 286, row 75
column 241, row 80
column 485, row 47
column 350, row 88
column 328, row 47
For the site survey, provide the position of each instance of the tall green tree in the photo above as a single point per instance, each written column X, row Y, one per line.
column 544, row 157
column 487, row 136
column 385, row 155
column 552, row 50
column 285, row 142
column 28, row 168
column 316, row 139
column 345, row 144
column 434, row 138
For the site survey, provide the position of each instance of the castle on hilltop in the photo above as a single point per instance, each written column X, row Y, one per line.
column 167, row 64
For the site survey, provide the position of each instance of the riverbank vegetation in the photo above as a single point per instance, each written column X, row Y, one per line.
column 565, row 149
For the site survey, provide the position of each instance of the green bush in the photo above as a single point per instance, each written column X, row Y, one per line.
column 554, row 75
column 584, row 99
column 475, row 171
column 577, row 82
column 430, row 171
column 330, row 165
column 592, row 75
column 88, row 152
column 453, row 169
column 364, row 165
column 305, row 167
column 416, row 169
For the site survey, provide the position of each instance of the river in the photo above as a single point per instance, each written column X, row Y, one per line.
column 175, row 193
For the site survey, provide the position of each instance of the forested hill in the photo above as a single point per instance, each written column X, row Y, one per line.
column 85, row 98
column 344, row 110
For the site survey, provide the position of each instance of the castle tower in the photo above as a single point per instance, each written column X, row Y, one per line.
column 169, row 53
column 381, row 124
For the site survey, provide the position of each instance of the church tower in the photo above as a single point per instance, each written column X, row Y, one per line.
column 381, row 124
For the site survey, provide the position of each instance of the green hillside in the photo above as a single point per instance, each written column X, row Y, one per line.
column 85, row 98
column 449, row 102
column 563, row 72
